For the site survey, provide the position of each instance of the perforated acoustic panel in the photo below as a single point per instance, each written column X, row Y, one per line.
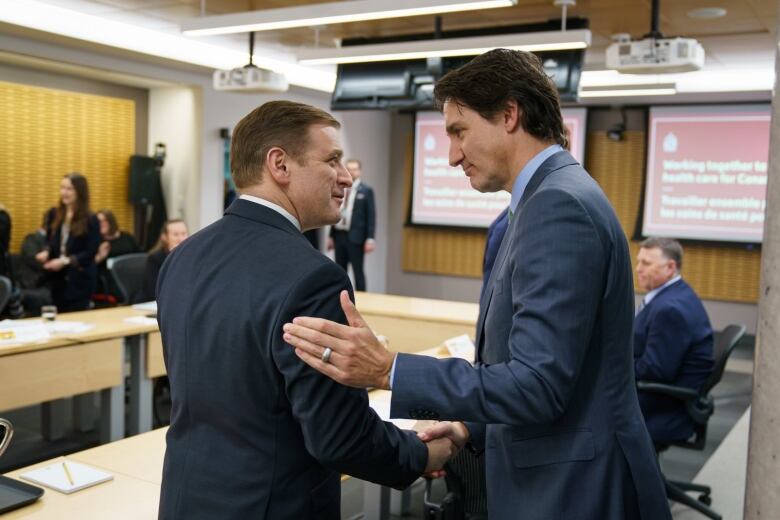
column 46, row 133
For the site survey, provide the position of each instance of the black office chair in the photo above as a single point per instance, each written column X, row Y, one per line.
column 700, row 406
column 466, row 497
column 5, row 292
column 128, row 274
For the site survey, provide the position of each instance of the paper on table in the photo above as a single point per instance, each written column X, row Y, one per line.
column 461, row 347
column 382, row 409
column 68, row 327
column 13, row 332
column 146, row 306
column 141, row 320
column 55, row 476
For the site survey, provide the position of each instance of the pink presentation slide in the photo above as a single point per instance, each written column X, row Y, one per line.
column 707, row 172
column 442, row 194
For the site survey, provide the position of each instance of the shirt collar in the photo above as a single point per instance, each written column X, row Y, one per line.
column 528, row 171
column 277, row 208
column 652, row 294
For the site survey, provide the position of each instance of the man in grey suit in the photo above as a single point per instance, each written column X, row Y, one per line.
column 255, row 433
column 551, row 400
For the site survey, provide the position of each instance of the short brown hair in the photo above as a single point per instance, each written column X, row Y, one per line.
column 360, row 164
column 490, row 81
column 670, row 248
column 283, row 124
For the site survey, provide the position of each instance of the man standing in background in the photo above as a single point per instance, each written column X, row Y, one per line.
column 353, row 236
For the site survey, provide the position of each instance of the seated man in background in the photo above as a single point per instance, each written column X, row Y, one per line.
column 672, row 338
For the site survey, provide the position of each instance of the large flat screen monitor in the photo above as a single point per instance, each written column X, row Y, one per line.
column 442, row 195
column 707, row 172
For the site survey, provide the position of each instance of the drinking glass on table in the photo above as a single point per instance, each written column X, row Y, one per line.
column 49, row 312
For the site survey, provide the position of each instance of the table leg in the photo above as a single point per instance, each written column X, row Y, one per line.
column 53, row 420
column 84, row 412
column 140, row 386
column 376, row 501
column 401, row 501
column 112, row 414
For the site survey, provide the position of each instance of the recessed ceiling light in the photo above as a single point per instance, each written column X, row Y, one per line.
column 707, row 13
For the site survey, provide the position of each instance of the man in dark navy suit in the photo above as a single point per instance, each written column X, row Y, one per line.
column 672, row 338
column 551, row 401
column 255, row 433
column 495, row 234
column 353, row 235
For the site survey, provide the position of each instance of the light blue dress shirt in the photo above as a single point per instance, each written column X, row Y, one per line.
column 518, row 188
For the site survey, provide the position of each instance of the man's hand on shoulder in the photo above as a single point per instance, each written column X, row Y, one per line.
column 350, row 354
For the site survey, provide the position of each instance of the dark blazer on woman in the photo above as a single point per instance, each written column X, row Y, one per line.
column 72, row 287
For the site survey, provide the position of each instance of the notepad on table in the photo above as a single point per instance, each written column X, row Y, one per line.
column 67, row 476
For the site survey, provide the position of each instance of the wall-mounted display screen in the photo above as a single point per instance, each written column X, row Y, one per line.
column 442, row 195
column 707, row 172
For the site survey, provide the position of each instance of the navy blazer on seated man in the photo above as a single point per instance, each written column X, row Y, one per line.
column 673, row 345
column 255, row 433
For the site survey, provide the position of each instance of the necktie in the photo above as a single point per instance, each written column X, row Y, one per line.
column 511, row 214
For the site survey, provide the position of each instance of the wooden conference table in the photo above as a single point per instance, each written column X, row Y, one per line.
column 136, row 463
column 71, row 364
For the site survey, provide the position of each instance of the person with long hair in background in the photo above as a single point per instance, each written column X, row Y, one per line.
column 73, row 234
column 172, row 234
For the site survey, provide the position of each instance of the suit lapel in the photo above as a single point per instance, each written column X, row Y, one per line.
column 553, row 163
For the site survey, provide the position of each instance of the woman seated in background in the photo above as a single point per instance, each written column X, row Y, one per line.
column 173, row 233
column 115, row 243
column 73, row 234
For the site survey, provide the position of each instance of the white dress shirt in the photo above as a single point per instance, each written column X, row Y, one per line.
column 277, row 208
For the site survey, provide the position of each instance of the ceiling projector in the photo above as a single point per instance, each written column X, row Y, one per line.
column 655, row 55
column 250, row 79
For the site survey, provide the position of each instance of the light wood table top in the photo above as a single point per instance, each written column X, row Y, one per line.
column 109, row 323
column 123, row 497
column 140, row 456
column 417, row 308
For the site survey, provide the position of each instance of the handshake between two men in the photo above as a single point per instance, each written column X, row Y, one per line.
column 352, row 355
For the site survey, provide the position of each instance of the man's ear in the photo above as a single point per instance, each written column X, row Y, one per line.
column 276, row 162
column 511, row 116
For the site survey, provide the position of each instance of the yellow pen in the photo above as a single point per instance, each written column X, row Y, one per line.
column 67, row 474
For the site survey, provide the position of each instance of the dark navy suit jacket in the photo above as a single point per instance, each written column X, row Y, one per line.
column 363, row 223
column 672, row 345
column 255, row 433
column 553, row 397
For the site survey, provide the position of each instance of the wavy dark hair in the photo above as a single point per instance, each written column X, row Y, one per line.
column 78, row 225
column 490, row 81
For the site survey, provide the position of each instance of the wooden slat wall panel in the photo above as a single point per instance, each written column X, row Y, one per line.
column 715, row 272
column 439, row 250
column 46, row 133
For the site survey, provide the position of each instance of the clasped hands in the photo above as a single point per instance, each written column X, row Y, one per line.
column 444, row 440
column 359, row 359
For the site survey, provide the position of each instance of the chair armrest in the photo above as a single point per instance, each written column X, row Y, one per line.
column 677, row 392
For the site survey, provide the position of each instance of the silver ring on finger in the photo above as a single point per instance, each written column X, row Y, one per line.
column 326, row 354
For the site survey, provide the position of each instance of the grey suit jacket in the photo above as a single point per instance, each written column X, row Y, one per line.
column 552, row 398
column 255, row 433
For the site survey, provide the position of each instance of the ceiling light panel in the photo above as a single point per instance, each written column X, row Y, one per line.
column 447, row 47
column 329, row 13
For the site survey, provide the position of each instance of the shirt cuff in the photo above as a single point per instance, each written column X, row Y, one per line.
column 392, row 371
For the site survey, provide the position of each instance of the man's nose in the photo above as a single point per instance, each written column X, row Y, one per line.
column 455, row 155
